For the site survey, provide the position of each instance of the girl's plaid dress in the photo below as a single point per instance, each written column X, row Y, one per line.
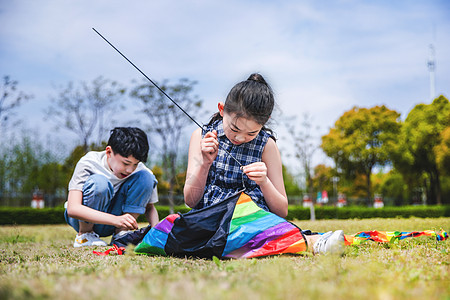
column 225, row 177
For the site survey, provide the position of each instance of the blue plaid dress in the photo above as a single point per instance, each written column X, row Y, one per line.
column 225, row 177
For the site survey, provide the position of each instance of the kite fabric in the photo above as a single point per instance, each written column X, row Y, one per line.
column 391, row 236
column 238, row 228
column 233, row 228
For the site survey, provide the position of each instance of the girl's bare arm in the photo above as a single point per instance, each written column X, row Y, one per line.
column 202, row 152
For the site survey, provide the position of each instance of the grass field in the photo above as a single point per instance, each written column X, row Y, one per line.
column 39, row 262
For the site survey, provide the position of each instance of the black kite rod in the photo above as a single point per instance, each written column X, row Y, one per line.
column 161, row 90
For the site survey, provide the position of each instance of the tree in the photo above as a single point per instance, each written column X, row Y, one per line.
column 167, row 121
column 362, row 139
column 442, row 152
column 20, row 166
column 421, row 148
column 304, row 147
column 10, row 99
column 84, row 107
column 290, row 185
column 322, row 180
column 393, row 186
column 25, row 165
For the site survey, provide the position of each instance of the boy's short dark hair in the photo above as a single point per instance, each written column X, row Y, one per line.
column 128, row 141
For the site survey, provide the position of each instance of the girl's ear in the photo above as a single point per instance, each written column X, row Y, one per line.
column 220, row 106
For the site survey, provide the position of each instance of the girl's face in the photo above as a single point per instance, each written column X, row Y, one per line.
column 121, row 166
column 238, row 130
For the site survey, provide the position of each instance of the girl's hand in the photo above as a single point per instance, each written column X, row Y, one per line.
column 209, row 146
column 257, row 172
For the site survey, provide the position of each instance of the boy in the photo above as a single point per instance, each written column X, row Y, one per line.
column 111, row 188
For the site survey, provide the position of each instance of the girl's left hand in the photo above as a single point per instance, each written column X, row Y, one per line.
column 257, row 172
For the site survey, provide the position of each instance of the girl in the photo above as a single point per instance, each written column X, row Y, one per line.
column 235, row 151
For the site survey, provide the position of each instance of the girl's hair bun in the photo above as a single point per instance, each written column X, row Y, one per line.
column 258, row 78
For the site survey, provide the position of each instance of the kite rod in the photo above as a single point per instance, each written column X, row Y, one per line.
column 161, row 90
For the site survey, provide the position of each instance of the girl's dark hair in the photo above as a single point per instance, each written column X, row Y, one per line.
column 252, row 98
column 128, row 141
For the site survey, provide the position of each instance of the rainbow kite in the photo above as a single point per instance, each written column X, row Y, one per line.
column 391, row 236
column 238, row 228
column 233, row 228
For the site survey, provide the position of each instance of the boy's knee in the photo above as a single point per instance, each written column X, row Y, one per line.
column 137, row 191
column 146, row 180
column 98, row 185
column 144, row 175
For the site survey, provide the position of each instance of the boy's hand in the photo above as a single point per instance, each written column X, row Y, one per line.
column 209, row 146
column 126, row 221
column 257, row 172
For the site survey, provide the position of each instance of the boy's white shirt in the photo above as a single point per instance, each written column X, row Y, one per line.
column 95, row 163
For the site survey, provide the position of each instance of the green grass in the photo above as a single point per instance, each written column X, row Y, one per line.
column 39, row 262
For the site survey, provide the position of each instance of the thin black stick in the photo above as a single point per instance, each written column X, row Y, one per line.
column 161, row 90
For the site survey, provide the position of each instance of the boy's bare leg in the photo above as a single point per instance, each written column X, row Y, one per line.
column 151, row 214
column 85, row 227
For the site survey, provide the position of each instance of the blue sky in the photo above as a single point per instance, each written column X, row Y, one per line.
column 321, row 57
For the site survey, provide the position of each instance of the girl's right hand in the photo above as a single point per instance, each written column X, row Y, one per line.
column 209, row 147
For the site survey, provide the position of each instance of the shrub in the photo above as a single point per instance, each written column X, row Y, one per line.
column 28, row 215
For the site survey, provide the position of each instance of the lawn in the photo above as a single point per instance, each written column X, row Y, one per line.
column 39, row 262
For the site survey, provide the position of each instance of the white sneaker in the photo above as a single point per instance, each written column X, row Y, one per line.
column 330, row 242
column 88, row 239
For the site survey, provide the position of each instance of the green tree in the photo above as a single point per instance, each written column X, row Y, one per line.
column 51, row 177
column 361, row 139
column 442, row 152
column 292, row 188
column 164, row 185
column 421, row 147
column 392, row 186
column 25, row 166
column 322, row 179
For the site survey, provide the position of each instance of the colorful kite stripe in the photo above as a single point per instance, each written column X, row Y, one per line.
column 255, row 232
column 155, row 242
column 391, row 236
